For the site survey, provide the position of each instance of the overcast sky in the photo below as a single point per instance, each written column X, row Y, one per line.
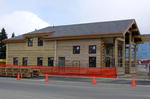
column 22, row 16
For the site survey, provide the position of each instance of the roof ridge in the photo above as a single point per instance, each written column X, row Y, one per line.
column 85, row 23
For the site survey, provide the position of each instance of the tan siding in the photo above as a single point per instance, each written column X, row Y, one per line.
column 65, row 49
column 22, row 50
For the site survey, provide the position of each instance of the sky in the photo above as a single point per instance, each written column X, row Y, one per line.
column 22, row 16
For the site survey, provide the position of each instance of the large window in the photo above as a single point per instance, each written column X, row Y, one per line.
column 40, row 42
column 25, row 61
column 76, row 49
column 50, row 61
column 92, row 61
column 39, row 61
column 30, row 41
column 92, row 49
column 15, row 60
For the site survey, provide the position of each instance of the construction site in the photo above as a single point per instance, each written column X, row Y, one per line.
column 100, row 49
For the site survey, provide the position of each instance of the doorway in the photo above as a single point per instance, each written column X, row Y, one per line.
column 61, row 61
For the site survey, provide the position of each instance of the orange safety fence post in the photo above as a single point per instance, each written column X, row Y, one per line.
column 94, row 80
column 18, row 76
column 46, row 78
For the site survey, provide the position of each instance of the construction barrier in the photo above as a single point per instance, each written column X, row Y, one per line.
column 72, row 71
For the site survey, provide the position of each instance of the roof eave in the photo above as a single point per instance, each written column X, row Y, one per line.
column 84, row 36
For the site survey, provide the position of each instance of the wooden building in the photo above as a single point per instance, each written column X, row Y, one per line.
column 100, row 44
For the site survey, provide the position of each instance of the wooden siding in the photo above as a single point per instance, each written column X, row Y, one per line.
column 23, row 50
column 64, row 48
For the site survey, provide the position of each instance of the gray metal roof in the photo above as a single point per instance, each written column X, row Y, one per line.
column 87, row 28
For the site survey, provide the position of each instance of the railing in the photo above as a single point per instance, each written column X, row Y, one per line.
column 109, row 72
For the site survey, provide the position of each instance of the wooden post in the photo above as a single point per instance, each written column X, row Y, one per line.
column 116, row 52
column 123, row 54
column 130, row 53
column 135, row 55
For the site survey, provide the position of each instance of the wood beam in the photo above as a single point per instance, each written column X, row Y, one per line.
column 135, row 49
column 134, row 30
column 116, row 52
column 130, row 53
column 123, row 54
column 120, row 39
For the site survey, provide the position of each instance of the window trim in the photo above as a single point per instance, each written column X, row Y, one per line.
column 38, row 58
column 30, row 43
column 95, row 61
column 74, row 52
column 52, row 60
column 23, row 61
column 40, row 43
column 91, row 52
column 16, row 60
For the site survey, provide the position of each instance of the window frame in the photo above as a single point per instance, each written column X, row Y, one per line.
column 15, row 62
column 40, row 41
column 94, row 63
column 51, row 59
column 25, row 62
column 39, row 61
column 30, row 41
column 91, row 49
column 75, row 51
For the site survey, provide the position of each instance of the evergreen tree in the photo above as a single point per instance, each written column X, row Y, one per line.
column 13, row 35
column 3, row 36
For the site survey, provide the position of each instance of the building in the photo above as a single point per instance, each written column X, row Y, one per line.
column 100, row 44
column 143, row 52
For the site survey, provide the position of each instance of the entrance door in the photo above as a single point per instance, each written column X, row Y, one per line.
column 107, row 61
column 61, row 61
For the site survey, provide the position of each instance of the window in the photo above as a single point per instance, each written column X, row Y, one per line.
column 92, row 49
column 30, row 41
column 92, row 61
column 15, row 60
column 25, row 61
column 40, row 42
column 76, row 49
column 39, row 61
column 50, row 61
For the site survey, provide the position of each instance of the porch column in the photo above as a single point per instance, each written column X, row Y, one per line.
column 123, row 54
column 116, row 52
column 135, row 49
column 130, row 53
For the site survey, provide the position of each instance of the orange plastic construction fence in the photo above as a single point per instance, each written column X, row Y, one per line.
column 72, row 71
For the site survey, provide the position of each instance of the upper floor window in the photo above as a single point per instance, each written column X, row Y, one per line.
column 30, row 41
column 92, row 49
column 15, row 60
column 40, row 42
column 76, row 49
column 25, row 61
